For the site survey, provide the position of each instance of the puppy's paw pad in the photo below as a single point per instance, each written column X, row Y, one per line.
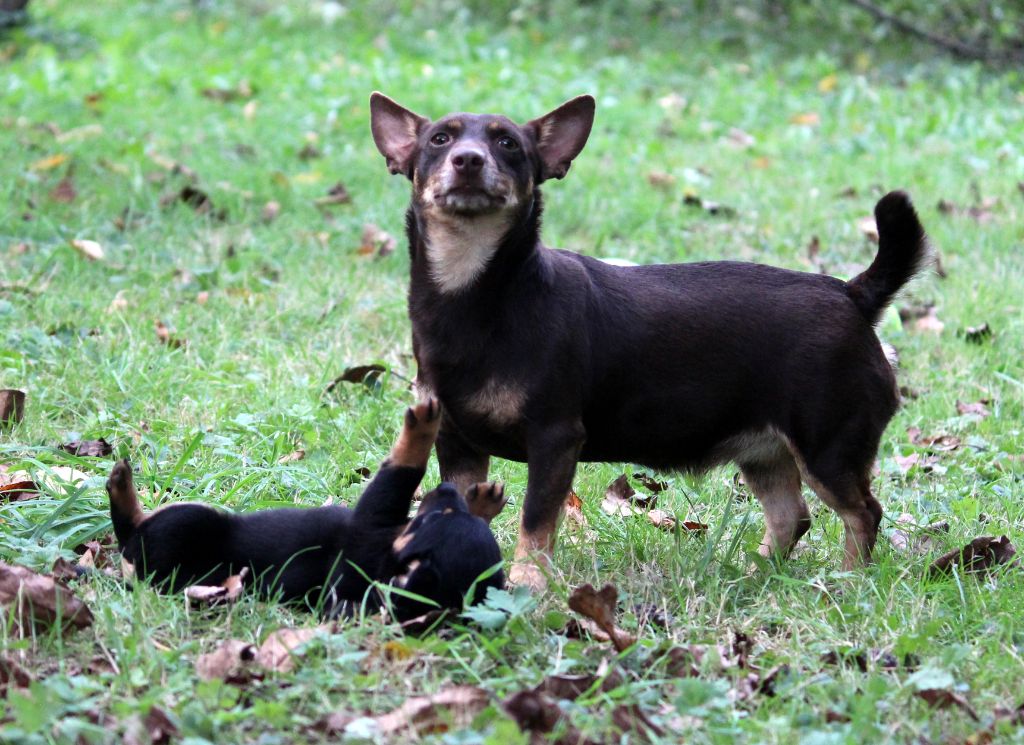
column 423, row 415
column 486, row 499
column 120, row 479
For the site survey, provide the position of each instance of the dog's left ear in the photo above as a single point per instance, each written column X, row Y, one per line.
column 561, row 135
column 395, row 131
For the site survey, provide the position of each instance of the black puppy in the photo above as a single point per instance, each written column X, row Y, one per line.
column 327, row 556
column 551, row 357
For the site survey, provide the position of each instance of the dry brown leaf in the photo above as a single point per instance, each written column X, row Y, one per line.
column 651, row 484
column 376, row 241
column 806, row 119
column 631, row 719
column 164, row 335
column 64, row 191
column 16, row 486
column 270, row 211
column 337, row 194
column 662, row 519
column 451, row 708
column 976, row 408
column 367, row 374
column 227, row 591
column 940, row 698
column 88, row 448
column 169, row 164
column 12, row 407
column 740, row 139
column 225, row 95
column 278, row 651
column 233, row 661
column 533, row 711
column 35, row 602
column 12, row 675
column 600, row 607
column 574, row 509
column 900, row 538
column 661, row 180
column 979, row 555
column 292, row 457
column 89, row 249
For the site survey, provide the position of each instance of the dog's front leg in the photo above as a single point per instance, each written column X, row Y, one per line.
column 460, row 463
column 552, row 454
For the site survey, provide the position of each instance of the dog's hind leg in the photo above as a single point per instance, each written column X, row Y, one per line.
column 125, row 511
column 776, row 484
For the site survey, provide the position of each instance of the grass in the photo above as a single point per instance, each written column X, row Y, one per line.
column 115, row 89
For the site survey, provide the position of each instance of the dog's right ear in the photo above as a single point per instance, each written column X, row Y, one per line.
column 395, row 131
column 561, row 135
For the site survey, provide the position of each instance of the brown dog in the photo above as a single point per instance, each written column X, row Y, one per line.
column 552, row 357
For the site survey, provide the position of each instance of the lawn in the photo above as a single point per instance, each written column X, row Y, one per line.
column 192, row 141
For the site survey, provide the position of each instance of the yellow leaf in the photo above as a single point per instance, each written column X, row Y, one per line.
column 80, row 133
column 762, row 162
column 807, row 119
column 862, row 62
column 828, row 83
column 49, row 163
column 307, row 177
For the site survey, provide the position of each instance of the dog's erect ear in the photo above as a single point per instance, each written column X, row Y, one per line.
column 395, row 130
column 561, row 135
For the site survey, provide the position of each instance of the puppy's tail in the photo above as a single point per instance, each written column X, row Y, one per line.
column 902, row 252
column 125, row 511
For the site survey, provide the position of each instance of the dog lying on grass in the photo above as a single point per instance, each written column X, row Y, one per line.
column 327, row 557
column 552, row 357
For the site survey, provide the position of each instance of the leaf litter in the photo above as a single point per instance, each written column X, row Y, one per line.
column 35, row 602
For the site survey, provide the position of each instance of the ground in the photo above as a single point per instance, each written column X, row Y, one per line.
column 729, row 136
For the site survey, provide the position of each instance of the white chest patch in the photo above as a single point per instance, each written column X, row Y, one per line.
column 458, row 251
column 500, row 402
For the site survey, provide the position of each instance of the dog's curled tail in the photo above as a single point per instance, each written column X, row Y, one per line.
column 902, row 252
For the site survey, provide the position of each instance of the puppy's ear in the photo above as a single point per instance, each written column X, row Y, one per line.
column 395, row 130
column 561, row 135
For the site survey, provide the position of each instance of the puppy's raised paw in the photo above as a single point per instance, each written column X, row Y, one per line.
column 124, row 501
column 486, row 499
column 419, row 432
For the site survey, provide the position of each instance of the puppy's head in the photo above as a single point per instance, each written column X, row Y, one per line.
column 445, row 499
column 467, row 165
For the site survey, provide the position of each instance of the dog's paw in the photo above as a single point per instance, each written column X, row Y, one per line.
column 486, row 499
column 419, row 431
column 527, row 574
column 425, row 414
column 120, row 481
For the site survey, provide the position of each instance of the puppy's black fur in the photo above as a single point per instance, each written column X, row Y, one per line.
column 326, row 557
column 552, row 357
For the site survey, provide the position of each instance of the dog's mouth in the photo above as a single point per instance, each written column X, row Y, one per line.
column 471, row 199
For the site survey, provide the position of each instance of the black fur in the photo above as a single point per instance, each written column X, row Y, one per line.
column 323, row 557
column 672, row 366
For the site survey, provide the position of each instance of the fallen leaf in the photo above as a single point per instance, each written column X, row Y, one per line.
column 900, row 538
column 232, row 661
column 169, row 164
column 64, row 191
column 850, row 192
column 89, row 249
column 806, row 119
column 978, row 334
column 49, row 163
column 661, row 180
column 977, row 408
column 828, row 83
column 651, row 484
column 12, row 675
column 367, row 374
column 156, row 728
column 249, row 110
column 376, row 241
column 337, row 194
column 940, row 698
column 600, row 607
column 195, row 198
column 533, row 711
column 35, row 602
column 270, row 211
column 80, row 133
column 631, row 719
column 225, row 95
column 451, row 708
column 163, row 334
column 64, row 570
column 673, row 102
column 227, row 591
column 280, row 649
column 867, row 226
column 574, row 509
column 89, row 448
column 979, row 555
column 292, row 457
column 571, row 687
column 12, row 406
column 740, row 139
column 663, row 520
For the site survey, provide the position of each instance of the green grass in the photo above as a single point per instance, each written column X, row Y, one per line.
column 291, row 303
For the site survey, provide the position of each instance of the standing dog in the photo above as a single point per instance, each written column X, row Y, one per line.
column 328, row 556
column 552, row 357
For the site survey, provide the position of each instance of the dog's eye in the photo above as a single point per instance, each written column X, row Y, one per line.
column 441, row 138
column 507, row 143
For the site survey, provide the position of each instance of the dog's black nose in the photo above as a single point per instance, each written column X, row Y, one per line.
column 467, row 160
